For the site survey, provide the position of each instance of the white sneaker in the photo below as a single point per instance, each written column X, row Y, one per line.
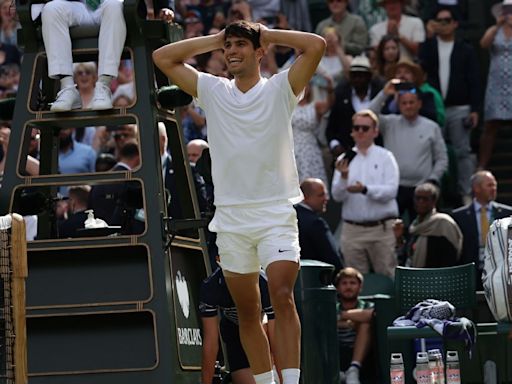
column 102, row 98
column 352, row 375
column 67, row 99
column 342, row 377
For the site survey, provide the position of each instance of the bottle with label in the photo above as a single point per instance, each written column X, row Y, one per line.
column 452, row 368
column 396, row 369
column 440, row 367
column 422, row 368
column 433, row 363
column 217, row 375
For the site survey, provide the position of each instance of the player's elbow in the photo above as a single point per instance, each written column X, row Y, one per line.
column 318, row 44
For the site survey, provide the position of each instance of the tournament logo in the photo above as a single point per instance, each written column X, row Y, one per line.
column 182, row 290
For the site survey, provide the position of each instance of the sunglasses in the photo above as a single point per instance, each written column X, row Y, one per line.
column 358, row 128
column 444, row 20
column 336, row 1
column 118, row 136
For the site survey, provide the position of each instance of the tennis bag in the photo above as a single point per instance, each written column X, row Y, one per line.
column 497, row 273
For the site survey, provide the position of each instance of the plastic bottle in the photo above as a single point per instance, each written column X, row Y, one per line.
column 452, row 368
column 433, row 363
column 422, row 369
column 440, row 367
column 217, row 375
column 396, row 369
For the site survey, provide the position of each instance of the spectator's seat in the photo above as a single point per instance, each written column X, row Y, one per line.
column 412, row 285
column 375, row 284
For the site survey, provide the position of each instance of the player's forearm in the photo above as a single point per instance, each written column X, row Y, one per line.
column 306, row 43
column 358, row 315
column 176, row 53
column 209, row 355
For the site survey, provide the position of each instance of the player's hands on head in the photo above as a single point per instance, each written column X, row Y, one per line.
column 264, row 36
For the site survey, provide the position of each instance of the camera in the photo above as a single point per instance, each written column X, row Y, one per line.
column 404, row 86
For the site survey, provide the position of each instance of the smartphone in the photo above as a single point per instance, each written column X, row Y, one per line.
column 404, row 86
column 349, row 155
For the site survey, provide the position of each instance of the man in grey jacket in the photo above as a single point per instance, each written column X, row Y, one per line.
column 416, row 142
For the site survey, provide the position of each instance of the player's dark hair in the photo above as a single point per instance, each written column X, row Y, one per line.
column 245, row 29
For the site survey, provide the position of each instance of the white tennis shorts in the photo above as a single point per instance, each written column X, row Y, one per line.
column 253, row 236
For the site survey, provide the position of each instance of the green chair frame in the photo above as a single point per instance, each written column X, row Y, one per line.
column 412, row 285
column 377, row 284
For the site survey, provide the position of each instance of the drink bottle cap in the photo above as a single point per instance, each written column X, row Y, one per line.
column 421, row 357
column 396, row 358
column 452, row 356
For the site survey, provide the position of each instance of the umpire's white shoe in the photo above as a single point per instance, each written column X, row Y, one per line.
column 67, row 99
column 102, row 98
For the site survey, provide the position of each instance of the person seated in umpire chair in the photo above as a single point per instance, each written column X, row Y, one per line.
column 58, row 16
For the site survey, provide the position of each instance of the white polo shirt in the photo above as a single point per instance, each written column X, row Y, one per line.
column 250, row 137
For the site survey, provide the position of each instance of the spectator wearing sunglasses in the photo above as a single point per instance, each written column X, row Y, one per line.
column 416, row 142
column 452, row 68
column 366, row 182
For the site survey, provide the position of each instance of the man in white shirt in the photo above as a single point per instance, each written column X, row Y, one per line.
column 254, row 173
column 367, row 186
column 408, row 29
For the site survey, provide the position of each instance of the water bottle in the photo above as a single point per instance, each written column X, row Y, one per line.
column 452, row 368
column 440, row 367
column 217, row 375
column 422, row 369
column 436, row 372
column 396, row 370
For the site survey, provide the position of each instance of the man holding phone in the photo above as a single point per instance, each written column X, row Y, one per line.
column 366, row 181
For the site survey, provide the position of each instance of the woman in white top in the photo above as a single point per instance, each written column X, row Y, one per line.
column 335, row 62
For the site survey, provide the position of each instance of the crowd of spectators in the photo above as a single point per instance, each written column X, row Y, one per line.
column 386, row 120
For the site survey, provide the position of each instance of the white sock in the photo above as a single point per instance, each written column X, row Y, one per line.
column 105, row 79
column 290, row 375
column 67, row 82
column 265, row 378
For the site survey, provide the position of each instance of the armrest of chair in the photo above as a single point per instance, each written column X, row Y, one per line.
column 410, row 332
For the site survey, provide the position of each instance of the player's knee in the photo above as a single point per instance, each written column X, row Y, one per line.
column 282, row 299
column 249, row 312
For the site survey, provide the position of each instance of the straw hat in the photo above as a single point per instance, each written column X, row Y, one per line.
column 413, row 67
